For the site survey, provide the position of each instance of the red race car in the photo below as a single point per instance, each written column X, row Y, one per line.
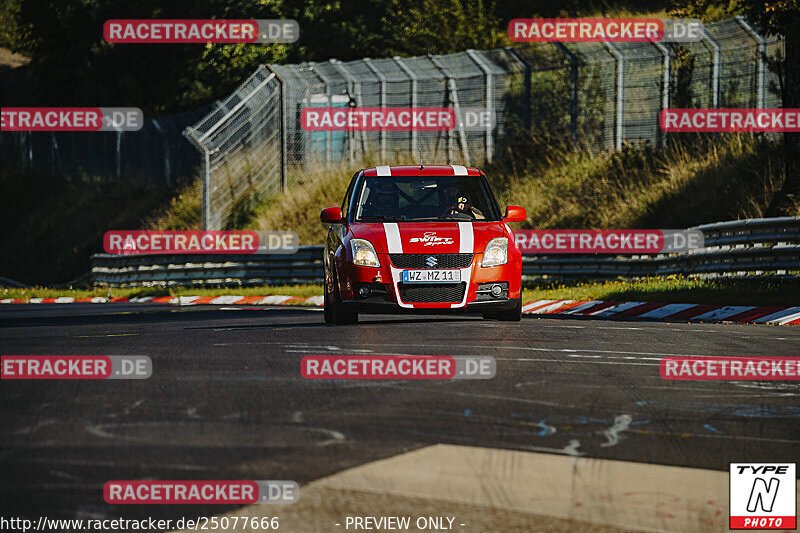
column 421, row 239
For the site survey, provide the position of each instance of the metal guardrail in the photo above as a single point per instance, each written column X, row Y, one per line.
column 304, row 266
column 743, row 247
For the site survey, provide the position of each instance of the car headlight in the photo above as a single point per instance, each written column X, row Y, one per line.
column 364, row 254
column 496, row 252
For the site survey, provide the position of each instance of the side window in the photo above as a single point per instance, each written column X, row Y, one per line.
column 347, row 195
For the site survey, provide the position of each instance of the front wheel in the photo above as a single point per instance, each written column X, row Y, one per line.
column 512, row 315
column 335, row 311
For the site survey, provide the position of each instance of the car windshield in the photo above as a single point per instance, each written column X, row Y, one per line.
column 418, row 199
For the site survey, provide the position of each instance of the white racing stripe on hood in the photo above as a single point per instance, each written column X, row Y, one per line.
column 393, row 241
column 459, row 170
column 466, row 239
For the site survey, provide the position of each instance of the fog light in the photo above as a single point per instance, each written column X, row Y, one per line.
column 497, row 291
column 364, row 291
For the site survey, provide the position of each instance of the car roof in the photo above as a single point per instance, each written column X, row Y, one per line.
column 424, row 170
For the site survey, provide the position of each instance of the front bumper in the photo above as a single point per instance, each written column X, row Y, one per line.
column 386, row 294
column 369, row 305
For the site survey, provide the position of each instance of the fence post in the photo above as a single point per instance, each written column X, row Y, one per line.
column 282, row 122
column 329, row 134
column 167, row 166
column 414, row 102
column 209, row 222
column 664, row 87
column 451, row 83
column 487, row 73
column 448, row 99
column 761, row 75
column 205, row 170
column 118, row 152
column 355, row 96
column 526, row 117
column 573, row 83
column 382, row 79
column 715, row 59
column 619, row 123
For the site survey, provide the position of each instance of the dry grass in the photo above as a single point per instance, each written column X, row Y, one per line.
column 298, row 209
column 707, row 179
column 182, row 213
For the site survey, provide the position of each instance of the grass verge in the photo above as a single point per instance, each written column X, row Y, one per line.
column 107, row 292
column 671, row 290
column 666, row 290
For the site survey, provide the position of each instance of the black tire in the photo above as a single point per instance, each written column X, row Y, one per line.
column 512, row 315
column 335, row 311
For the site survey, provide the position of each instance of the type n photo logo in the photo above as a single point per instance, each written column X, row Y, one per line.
column 763, row 496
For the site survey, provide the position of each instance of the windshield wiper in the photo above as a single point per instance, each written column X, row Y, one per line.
column 447, row 218
column 378, row 217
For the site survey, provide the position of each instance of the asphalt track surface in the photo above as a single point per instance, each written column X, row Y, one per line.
column 226, row 399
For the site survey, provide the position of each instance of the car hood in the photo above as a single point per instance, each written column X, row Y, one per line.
column 429, row 237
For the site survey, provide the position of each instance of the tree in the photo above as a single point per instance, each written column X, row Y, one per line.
column 770, row 17
column 783, row 18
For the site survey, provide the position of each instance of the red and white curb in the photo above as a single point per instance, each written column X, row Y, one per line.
column 180, row 300
column 667, row 312
column 776, row 315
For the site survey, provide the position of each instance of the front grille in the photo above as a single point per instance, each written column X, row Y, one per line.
column 421, row 260
column 432, row 292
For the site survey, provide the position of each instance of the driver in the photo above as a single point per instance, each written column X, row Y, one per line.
column 462, row 205
column 448, row 199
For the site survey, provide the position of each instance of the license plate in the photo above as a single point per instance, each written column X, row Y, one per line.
column 430, row 276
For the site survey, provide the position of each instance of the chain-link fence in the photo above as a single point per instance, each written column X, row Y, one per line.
column 601, row 95
column 158, row 153
column 241, row 142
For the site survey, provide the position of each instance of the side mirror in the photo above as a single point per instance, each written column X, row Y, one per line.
column 515, row 213
column 331, row 215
